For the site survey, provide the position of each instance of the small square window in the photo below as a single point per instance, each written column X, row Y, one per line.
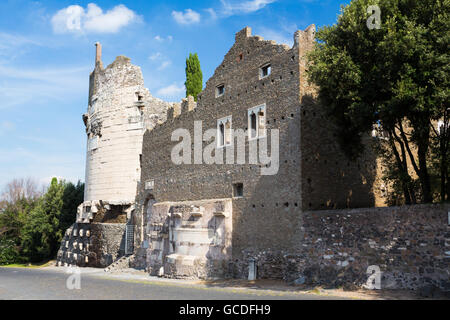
column 220, row 90
column 238, row 190
column 264, row 71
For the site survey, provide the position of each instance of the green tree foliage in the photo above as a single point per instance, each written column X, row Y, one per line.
column 41, row 231
column 194, row 76
column 73, row 196
column 8, row 251
column 397, row 75
column 31, row 228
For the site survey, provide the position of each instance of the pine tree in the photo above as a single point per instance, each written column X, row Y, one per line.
column 194, row 76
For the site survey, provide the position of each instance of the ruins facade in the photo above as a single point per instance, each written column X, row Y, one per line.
column 120, row 110
column 281, row 212
column 179, row 206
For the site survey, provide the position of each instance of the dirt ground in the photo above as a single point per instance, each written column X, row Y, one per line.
column 360, row 294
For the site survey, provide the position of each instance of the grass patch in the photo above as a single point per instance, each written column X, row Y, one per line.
column 28, row 265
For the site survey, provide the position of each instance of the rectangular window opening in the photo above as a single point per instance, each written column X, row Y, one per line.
column 238, row 190
column 224, row 132
column 257, row 122
column 220, row 90
column 264, row 71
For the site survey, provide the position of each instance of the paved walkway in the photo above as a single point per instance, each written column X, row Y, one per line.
column 50, row 283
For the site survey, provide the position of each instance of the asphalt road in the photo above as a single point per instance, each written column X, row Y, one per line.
column 51, row 284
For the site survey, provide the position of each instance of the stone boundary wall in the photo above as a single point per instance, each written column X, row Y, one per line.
column 410, row 245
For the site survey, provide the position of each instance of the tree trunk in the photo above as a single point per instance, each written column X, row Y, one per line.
column 405, row 178
column 424, row 176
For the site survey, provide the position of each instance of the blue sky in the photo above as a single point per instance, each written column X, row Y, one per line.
column 47, row 52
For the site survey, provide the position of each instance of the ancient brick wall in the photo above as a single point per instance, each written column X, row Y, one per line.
column 313, row 172
column 330, row 179
column 334, row 248
column 266, row 212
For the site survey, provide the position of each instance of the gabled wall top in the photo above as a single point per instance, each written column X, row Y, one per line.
column 243, row 34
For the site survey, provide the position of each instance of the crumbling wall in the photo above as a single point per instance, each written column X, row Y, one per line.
column 334, row 248
column 92, row 245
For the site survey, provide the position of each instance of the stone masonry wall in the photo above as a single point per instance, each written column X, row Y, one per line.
column 92, row 245
column 260, row 217
column 410, row 245
column 267, row 215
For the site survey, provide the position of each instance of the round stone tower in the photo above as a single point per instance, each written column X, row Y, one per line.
column 120, row 110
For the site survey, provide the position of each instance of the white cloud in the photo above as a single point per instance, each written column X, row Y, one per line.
column 6, row 126
column 188, row 17
column 278, row 36
column 22, row 162
column 13, row 41
column 164, row 65
column 12, row 46
column 155, row 56
column 40, row 84
column 230, row 8
column 158, row 57
column 161, row 39
column 76, row 19
column 172, row 91
column 212, row 13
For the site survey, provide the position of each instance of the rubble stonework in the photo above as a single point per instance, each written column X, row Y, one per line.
column 92, row 244
column 334, row 248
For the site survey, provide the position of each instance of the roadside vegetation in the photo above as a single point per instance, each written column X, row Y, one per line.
column 33, row 221
column 392, row 78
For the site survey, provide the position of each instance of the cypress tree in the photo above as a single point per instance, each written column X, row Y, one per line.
column 194, row 76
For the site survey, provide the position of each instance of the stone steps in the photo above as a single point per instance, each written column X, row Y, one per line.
column 120, row 264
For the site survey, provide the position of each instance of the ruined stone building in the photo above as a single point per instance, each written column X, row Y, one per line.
column 188, row 205
column 231, row 218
